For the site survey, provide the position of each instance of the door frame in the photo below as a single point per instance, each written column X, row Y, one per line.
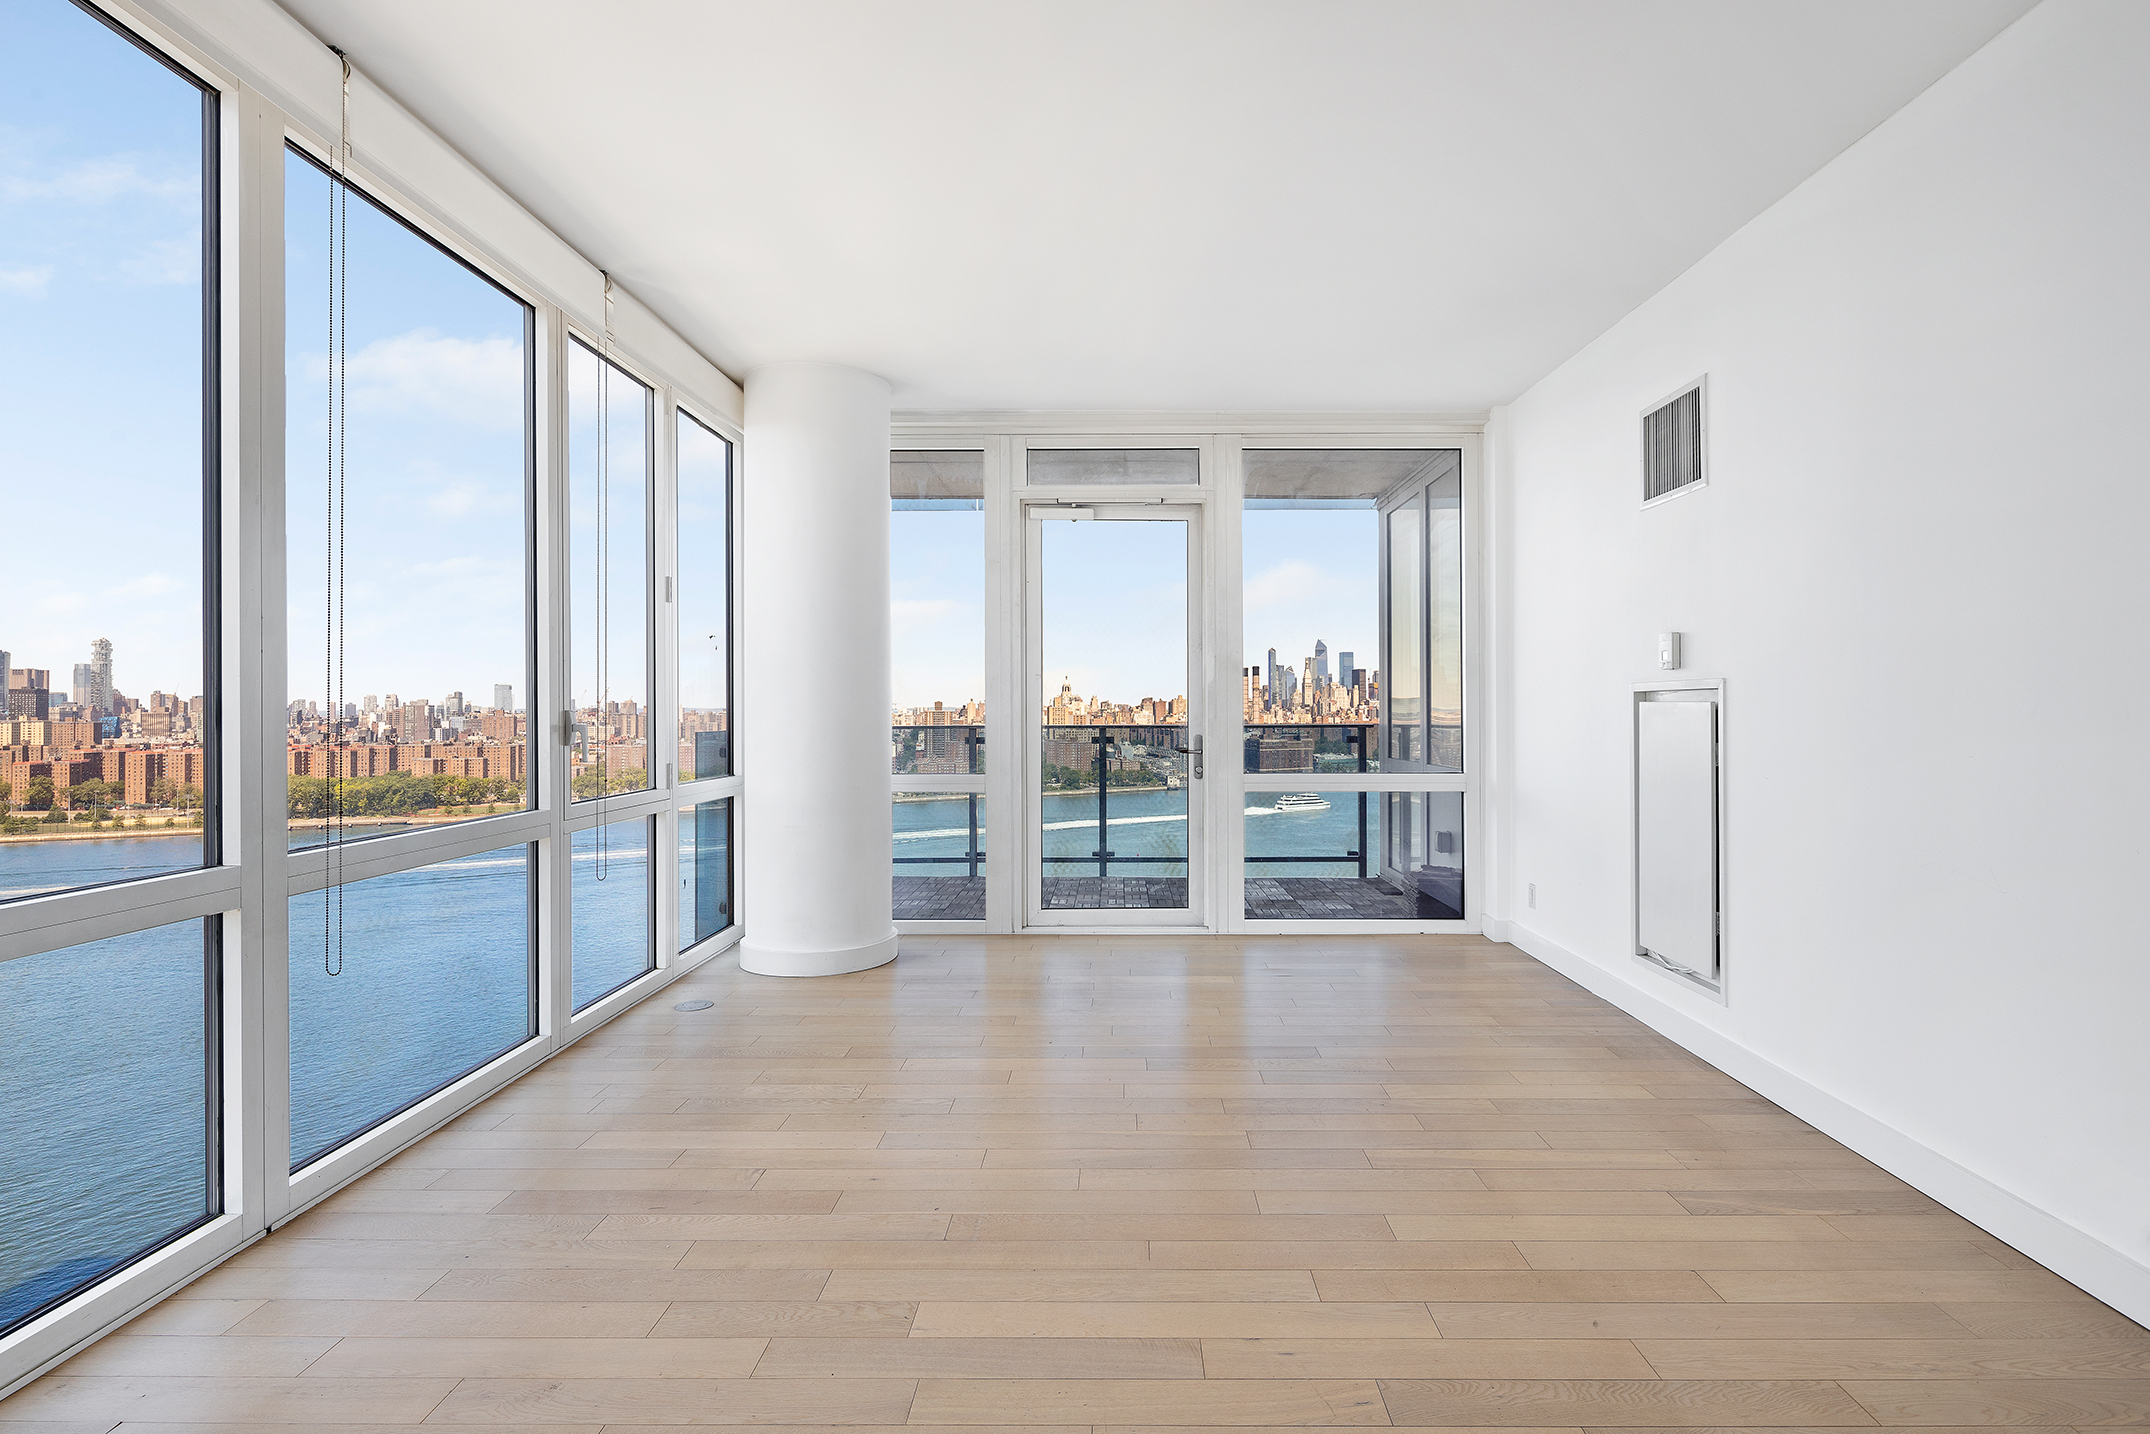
column 1109, row 504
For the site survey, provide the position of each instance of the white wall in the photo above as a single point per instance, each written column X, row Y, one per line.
column 1921, row 568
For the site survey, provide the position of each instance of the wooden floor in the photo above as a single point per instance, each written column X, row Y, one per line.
column 1132, row 1184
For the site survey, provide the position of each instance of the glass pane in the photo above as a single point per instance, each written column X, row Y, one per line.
column 1406, row 636
column 402, row 984
column 940, row 856
column 1114, row 799
column 108, row 1055
column 1319, row 856
column 615, row 939
column 1444, row 668
column 1047, row 467
column 1424, row 856
column 705, row 870
column 103, row 694
column 705, row 602
column 936, row 567
column 407, row 651
column 1311, row 557
column 609, row 477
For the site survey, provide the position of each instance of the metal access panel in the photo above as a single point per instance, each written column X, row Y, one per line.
column 1676, row 793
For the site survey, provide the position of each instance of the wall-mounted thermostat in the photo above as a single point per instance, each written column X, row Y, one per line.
column 1668, row 651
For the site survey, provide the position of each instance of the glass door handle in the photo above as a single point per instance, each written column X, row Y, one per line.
column 1194, row 751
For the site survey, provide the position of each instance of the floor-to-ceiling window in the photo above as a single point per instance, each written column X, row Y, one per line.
column 704, row 496
column 1165, row 772
column 408, row 502
column 337, row 559
column 611, row 537
column 1351, row 684
column 937, row 755
column 111, row 799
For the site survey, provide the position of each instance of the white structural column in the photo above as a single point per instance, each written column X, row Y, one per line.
column 814, row 667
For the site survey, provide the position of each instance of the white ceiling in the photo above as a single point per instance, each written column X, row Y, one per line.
column 1150, row 204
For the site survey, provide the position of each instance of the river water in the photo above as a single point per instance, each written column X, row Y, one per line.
column 103, row 1141
column 104, row 1150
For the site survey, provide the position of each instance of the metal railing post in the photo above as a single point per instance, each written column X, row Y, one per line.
column 1104, row 857
column 1362, row 834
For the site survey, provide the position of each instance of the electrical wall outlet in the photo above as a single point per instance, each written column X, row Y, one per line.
column 1668, row 651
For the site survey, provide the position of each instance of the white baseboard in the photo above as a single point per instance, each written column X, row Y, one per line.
column 2079, row 1258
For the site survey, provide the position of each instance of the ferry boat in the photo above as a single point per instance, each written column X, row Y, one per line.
column 1301, row 802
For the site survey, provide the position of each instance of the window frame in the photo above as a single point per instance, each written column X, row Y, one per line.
column 999, row 624
column 684, row 413
column 658, row 456
column 732, row 785
column 1005, row 439
column 249, row 886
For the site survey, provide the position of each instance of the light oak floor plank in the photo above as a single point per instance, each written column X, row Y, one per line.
column 1120, row 1185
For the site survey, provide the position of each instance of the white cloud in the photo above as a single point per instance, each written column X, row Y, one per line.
column 477, row 381
column 30, row 281
column 94, row 181
column 168, row 261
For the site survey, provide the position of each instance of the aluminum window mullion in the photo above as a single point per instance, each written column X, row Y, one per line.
column 553, row 698
column 707, row 789
column 661, row 729
column 1356, row 781
column 617, row 809
column 118, row 910
column 307, row 872
column 259, row 939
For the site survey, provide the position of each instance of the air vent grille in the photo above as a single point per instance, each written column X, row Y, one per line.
column 1672, row 445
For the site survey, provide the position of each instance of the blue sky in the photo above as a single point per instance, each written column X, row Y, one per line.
column 1310, row 575
column 1116, row 609
column 936, row 567
column 434, row 462
column 704, row 661
column 623, row 567
column 100, row 386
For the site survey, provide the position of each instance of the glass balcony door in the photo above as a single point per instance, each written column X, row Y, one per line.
column 1114, row 819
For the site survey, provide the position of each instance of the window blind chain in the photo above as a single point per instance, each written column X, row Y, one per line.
column 333, row 634
column 604, row 584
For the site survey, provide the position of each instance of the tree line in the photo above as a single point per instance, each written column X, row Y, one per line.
column 395, row 794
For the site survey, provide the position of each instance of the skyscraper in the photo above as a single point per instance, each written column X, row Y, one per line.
column 7, row 704
column 504, row 696
column 1276, row 692
column 98, row 695
column 1344, row 665
column 1321, row 663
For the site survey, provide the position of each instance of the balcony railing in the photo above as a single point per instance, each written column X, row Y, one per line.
column 1339, row 748
column 1078, row 761
column 973, row 854
column 1324, row 747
